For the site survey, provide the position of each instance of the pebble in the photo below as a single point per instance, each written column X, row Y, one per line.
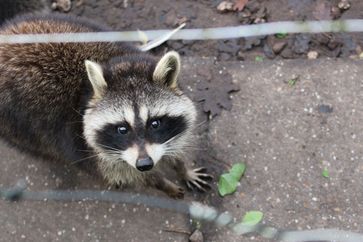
column 196, row 236
column 268, row 51
column 251, row 42
column 277, row 47
column 225, row 6
column 323, row 108
column 312, row 55
column 301, row 43
column 62, row 5
column 287, row 53
column 344, row 4
column 241, row 55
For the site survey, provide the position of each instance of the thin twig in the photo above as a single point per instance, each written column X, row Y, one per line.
column 179, row 231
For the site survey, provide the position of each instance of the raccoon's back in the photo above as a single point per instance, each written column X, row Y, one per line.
column 41, row 84
column 56, row 60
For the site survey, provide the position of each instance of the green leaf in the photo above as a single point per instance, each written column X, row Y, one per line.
column 238, row 170
column 252, row 218
column 258, row 58
column 227, row 184
column 281, row 35
column 325, row 173
column 292, row 82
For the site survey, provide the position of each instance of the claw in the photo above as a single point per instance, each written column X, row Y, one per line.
column 189, row 185
column 200, row 170
column 196, row 179
column 201, row 181
column 196, row 184
column 204, row 175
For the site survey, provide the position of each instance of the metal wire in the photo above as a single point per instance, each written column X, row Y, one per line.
column 350, row 25
column 195, row 209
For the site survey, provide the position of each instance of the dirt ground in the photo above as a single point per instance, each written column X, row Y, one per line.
column 285, row 133
column 161, row 14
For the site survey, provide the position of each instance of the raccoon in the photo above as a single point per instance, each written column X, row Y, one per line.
column 121, row 105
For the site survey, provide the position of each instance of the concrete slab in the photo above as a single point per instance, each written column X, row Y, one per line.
column 75, row 221
column 285, row 133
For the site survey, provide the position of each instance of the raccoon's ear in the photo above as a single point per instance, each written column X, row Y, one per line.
column 167, row 70
column 95, row 76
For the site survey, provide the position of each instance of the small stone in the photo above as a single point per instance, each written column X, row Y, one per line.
column 62, row 5
column 259, row 21
column 225, row 6
column 323, row 108
column 344, row 4
column 240, row 55
column 261, row 13
column 312, row 55
column 267, row 50
column 244, row 14
column 244, row 17
column 301, row 43
column 287, row 53
column 253, row 41
column 322, row 38
column 277, row 47
column 196, row 236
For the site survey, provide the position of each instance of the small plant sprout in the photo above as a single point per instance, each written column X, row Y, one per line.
column 293, row 81
column 259, row 58
column 325, row 172
column 280, row 35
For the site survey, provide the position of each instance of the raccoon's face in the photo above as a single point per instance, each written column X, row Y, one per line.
column 137, row 114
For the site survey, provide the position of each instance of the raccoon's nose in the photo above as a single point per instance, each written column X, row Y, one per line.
column 144, row 164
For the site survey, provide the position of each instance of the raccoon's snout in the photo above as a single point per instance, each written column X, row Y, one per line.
column 144, row 164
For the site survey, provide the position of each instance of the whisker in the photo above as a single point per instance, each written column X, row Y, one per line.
column 173, row 138
column 79, row 136
column 200, row 124
column 90, row 151
column 77, row 111
column 109, row 147
column 83, row 159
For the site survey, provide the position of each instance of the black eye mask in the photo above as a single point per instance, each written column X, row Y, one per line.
column 168, row 128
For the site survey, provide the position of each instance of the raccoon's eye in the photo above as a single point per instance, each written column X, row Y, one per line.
column 122, row 130
column 155, row 124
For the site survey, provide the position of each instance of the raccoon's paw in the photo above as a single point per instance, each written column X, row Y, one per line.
column 177, row 192
column 198, row 178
